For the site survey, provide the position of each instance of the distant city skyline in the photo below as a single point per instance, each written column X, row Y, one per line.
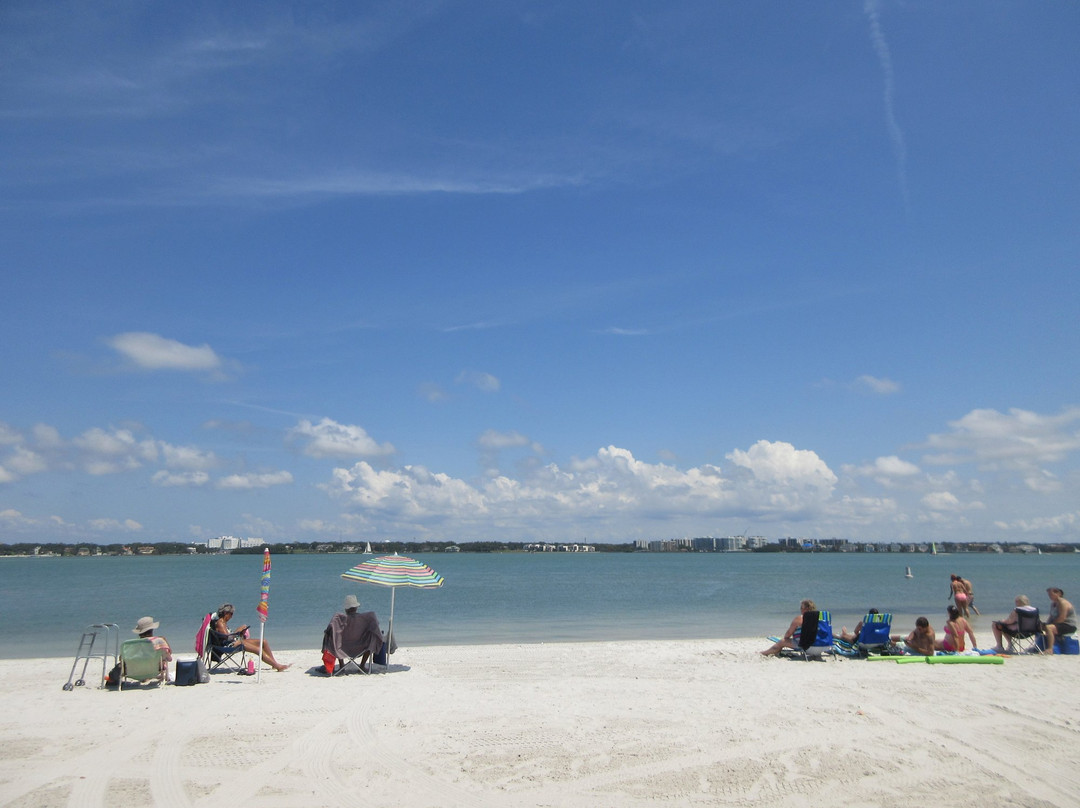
column 521, row 270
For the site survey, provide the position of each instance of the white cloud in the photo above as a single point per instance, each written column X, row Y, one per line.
column 883, row 387
column 187, row 457
column 1043, row 482
column 154, row 352
column 493, row 440
column 1017, row 440
column 1062, row 523
column 24, row 461
column 886, row 471
column 328, row 438
column 184, row 479
column 245, row 482
column 484, row 382
column 611, row 487
column 782, row 463
column 127, row 525
column 9, row 436
column 113, row 451
column 7, row 476
column 941, row 501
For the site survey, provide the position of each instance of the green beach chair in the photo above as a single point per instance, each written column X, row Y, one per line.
column 141, row 661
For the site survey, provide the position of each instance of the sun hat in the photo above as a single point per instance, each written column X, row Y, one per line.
column 351, row 602
column 144, row 625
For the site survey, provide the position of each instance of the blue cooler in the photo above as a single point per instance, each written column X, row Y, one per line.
column 1069, row 645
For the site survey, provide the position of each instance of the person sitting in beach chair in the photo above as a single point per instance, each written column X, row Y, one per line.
column 852, row 636
column 352, row 637
column 144, row 659
column 809, row 634
column 1022, row 627
column 225, row 639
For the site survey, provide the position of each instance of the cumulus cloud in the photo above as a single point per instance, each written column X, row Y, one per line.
column 771, row 479
column 484, row 382
column 114, row 450
column 251, row 480
column 781, row 463
column 1018, row 439
column 154, row 352
column 190, row 458
column 886, row 471
column 328, row 438
column 882, row 387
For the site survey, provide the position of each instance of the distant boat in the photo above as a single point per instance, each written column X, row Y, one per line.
column 367, row 549
column 907, row 572
column 933, row 548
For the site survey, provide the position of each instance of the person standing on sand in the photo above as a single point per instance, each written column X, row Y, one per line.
column 959, row 594
column 970, row 595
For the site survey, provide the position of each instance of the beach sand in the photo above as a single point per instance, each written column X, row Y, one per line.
column 592, row 724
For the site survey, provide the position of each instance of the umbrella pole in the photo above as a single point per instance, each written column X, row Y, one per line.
column 258, row 674
column 390, row 633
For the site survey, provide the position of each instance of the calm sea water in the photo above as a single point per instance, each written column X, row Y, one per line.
column 497, row 598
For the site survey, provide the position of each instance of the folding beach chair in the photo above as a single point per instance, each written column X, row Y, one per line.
column 219, row 651
column 141, row 662
column 815, row 637
column 352, row 639
column 874, row 634
column 1028, row 630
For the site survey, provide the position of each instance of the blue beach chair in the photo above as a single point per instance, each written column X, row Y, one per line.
column 815, row 638
column 874, row 634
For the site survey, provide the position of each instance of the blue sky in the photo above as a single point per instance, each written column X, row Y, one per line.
column 526, row 270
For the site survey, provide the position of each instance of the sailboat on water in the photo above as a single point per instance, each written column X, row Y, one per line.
column 367, row 549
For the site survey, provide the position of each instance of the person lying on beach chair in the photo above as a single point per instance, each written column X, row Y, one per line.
column 853, row 636
column 352, row 637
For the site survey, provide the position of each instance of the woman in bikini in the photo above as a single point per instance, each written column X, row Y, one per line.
column 955, row 630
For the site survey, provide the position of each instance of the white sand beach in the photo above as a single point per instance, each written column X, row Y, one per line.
column 594, row 724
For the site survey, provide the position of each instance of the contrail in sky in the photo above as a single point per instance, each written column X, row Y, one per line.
column 882, row 48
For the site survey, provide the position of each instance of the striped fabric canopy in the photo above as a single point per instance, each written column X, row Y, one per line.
column 395, row 570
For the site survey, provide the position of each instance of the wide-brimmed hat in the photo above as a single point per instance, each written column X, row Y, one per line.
column 144, row 625
column 351, row 602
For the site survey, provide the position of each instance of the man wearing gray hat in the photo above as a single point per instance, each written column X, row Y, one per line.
column 351, row 637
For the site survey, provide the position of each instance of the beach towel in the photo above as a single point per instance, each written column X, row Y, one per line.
column 349, row 635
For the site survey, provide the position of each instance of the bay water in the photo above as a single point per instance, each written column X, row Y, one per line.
column 45, row 603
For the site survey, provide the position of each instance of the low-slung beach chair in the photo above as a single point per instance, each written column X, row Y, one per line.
column 815, row 637
column 874, row 634
column 220, row 651
column 141, row 662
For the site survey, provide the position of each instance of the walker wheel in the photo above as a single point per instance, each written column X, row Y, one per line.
column 80, row 682
column 68, row 686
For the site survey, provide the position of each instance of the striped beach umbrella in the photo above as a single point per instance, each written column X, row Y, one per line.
column 394, row 571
